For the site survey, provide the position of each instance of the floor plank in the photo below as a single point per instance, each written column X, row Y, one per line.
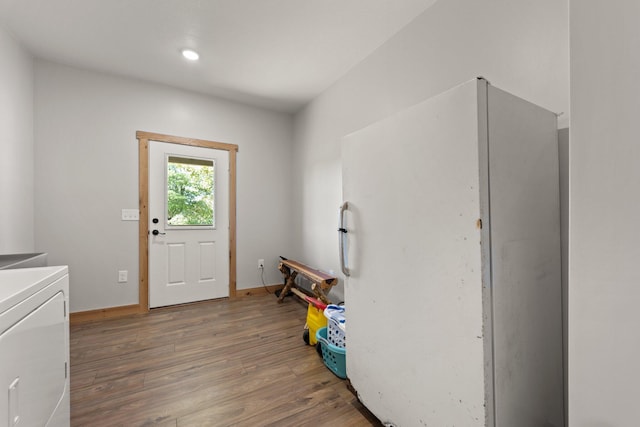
column 239, row 362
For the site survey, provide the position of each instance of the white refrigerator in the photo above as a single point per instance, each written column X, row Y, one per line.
column 450, row 237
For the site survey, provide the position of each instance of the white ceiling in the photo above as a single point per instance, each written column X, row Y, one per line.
column 277, row 54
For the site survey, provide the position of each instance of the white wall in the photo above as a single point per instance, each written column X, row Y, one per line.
column 16, row 147
column 519, row 46
column 604, row 249
column 87, row 171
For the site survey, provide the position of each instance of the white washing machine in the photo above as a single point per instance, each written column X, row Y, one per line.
column 34, row 347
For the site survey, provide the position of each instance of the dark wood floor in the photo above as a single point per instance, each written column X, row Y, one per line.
column 235, row 362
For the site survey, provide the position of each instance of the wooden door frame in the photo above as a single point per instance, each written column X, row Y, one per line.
column 143, row 192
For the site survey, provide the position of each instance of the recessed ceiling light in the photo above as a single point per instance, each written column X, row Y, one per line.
column 191, row 55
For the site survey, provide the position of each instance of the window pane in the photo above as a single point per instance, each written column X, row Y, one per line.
column 190, row 191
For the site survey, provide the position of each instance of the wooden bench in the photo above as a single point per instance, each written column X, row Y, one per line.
column 321, row 282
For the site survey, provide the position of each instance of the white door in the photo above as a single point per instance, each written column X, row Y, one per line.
column 188, row 224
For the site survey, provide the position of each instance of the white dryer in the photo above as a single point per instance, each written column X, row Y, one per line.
column 34, row 347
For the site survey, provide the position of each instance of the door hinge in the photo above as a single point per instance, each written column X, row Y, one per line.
column 66, row 370
column 64, row 308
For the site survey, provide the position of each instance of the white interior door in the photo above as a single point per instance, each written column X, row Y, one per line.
column 188, row 224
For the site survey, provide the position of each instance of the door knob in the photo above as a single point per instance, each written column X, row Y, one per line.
column 156, row 232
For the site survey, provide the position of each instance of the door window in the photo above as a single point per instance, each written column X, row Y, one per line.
column 190, row 191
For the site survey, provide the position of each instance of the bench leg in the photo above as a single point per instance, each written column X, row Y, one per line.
column 288, row 284
column 319, row 293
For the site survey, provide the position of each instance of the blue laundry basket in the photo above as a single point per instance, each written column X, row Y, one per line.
column 333, row 356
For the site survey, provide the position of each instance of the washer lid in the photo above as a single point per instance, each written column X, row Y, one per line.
column 18, row 284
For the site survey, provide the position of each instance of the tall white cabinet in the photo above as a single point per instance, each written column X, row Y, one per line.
column 453, row 246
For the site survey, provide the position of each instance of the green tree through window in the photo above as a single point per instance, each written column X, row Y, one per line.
column 190, row 191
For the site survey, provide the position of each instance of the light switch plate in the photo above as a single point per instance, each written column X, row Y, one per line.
column 130, row 215
column 122, row 276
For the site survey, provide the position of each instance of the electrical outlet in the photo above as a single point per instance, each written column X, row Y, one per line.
column 260, row 263
column 122, row 276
